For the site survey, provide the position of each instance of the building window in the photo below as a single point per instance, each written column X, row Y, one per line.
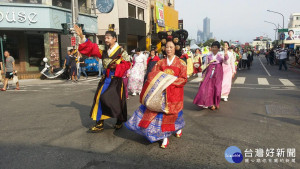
column 36, row 51
column 131, row 11
column 140, row 14
column 62, row 3
column 12, row 45
column 298, row 18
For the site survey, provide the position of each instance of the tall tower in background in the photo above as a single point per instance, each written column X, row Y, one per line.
column 206, row 29
column 203, row 36
column 206, row 26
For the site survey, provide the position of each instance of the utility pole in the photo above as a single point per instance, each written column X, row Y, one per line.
column 75, row 19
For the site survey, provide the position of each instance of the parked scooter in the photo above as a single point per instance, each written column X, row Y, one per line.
column 49, row 72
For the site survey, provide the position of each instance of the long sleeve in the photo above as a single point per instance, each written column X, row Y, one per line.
column 89, row 49
column 233, row 64
column 182, row 78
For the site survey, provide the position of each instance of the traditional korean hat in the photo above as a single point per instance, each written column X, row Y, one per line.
column 111, row 30
column 178, row 38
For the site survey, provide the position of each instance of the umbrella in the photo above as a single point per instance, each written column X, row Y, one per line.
column 194, row 46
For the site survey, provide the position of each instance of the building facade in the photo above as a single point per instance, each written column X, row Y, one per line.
column 163, row 17
column 262, row 43
column 131, row 20
column 292, row 34
column 33, row 30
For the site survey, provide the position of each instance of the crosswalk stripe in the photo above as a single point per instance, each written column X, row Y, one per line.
column 196, row 80
column 286, row 82
column 240, row 80
column 263, row 81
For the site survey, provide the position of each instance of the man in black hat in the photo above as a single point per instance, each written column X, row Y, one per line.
column 109, row 100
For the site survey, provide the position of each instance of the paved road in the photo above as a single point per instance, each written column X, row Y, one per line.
column 45, row 126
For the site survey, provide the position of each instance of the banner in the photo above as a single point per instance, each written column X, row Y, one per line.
column 293, row 34
column 160, row 14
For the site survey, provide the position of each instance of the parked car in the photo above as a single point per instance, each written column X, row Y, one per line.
column 91, row 65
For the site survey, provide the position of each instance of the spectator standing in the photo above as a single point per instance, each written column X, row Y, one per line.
column 282, row 59
column 67, row 64
column 81, row 65
column 73, row 60
column 10, row 70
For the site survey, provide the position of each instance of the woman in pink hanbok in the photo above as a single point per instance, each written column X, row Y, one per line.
column 228, row 72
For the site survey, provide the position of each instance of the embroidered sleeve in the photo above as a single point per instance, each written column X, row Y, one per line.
column 89, row 49
column 182, row 78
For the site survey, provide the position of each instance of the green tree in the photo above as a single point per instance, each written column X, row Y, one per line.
column 208, row 42
column 222, row 43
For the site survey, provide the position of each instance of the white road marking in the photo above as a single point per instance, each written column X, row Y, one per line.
column 286, row 82
column 240, row 80
column 197, row 80
column 263, row 81
column 264, row 67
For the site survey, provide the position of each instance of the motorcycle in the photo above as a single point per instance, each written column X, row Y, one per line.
column 49, row 72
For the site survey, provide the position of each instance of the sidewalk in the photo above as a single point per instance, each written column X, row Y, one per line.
column 26, row 82
column 291, row 66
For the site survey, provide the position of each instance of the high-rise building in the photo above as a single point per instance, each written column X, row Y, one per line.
column 206, row 26
column 203, row 36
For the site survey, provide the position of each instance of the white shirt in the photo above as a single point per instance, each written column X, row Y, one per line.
column 283, row 55
column 245, row 56
column 109, row 51
column 169, row 62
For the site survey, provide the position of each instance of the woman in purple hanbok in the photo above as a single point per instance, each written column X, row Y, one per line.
column 209, row 94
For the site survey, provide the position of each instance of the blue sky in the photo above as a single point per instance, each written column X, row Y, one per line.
column 235, row 19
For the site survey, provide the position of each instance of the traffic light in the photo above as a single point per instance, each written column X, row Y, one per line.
column 82, row 27
column 65, row 29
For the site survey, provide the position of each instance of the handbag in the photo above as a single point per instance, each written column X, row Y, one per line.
column 15, row 79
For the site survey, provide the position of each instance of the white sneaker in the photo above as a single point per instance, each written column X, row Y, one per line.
column 134, row 94
column 225, row 100
column 139, row 93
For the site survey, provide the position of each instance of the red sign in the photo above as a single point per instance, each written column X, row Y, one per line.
column 73, row 41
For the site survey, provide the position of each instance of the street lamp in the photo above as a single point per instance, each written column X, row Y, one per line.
column 279, row 14
column 275, row 27
column 1, row 43
column 282, row 20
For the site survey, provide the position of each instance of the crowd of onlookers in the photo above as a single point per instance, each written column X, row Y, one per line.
column 280, row 56
column 74, row 65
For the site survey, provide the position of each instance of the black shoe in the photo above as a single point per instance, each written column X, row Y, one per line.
column 98, row 127
column 118, row 125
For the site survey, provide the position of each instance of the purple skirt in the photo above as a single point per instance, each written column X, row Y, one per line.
column 209, row 93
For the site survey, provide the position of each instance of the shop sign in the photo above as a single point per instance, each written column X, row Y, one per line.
column 18, row 16
column 160, row 14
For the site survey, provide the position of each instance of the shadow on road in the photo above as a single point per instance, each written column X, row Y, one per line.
column 84, row 112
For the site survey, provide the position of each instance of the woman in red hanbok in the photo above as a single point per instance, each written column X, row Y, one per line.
column 160, row 114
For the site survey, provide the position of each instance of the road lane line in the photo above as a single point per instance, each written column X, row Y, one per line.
column 263, row 81
column 240, row 80
column 286, row 82
column 264, row 67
